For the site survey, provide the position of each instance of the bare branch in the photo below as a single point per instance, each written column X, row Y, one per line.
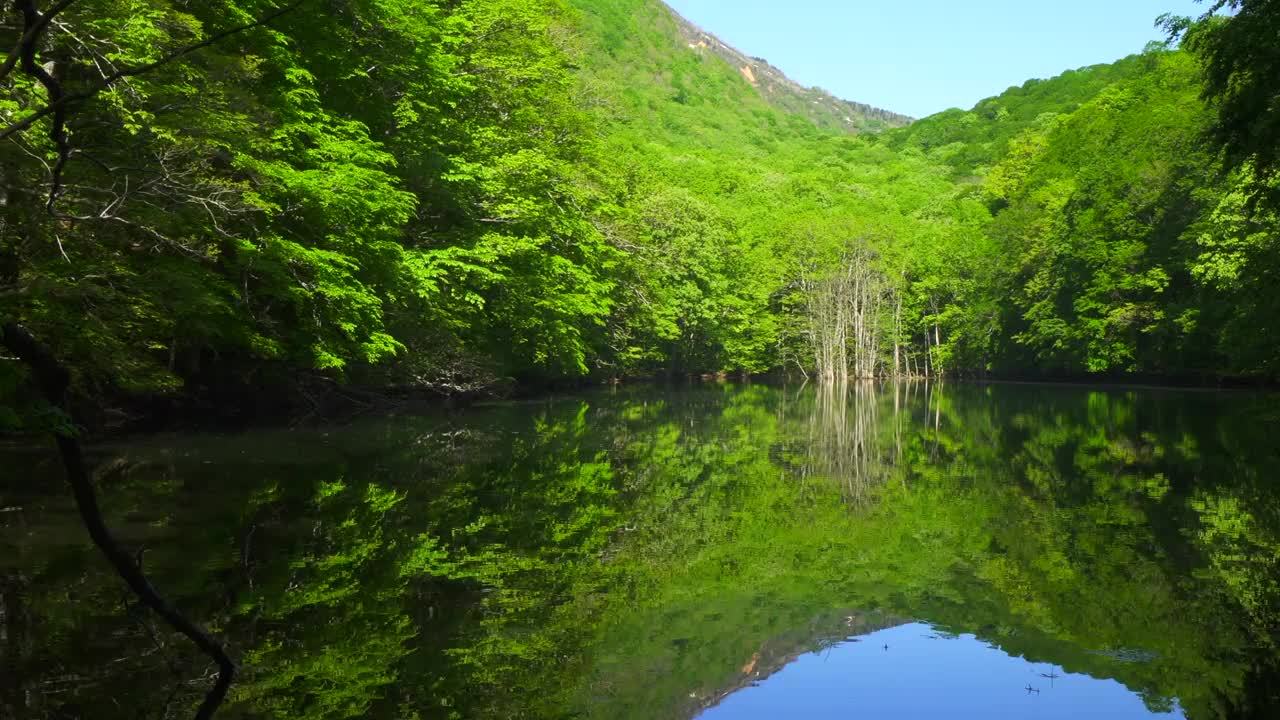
column 35, row 23
column 30, row 120
column 53, row 379
column 29, row 36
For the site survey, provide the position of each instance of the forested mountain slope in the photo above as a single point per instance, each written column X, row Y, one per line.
column 826, row 110
column 255, row 205
column 1124, row 243
column 981, row 136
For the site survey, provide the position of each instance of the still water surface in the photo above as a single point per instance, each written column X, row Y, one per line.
column 712, row 551
column 916, row 671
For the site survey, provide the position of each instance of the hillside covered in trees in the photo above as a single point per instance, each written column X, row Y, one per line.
column 260, row 203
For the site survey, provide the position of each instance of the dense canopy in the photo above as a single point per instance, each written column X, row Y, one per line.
column 256, row 201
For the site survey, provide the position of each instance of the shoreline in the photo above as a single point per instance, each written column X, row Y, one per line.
column 156, row 415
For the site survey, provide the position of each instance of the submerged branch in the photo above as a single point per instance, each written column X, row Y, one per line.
column 53, row 380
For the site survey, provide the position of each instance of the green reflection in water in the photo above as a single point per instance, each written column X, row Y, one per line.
column 639, row 553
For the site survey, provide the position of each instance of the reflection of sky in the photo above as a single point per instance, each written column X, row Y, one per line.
column 923, row 675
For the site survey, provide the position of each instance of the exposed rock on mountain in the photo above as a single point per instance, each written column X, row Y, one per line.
column 820, row 106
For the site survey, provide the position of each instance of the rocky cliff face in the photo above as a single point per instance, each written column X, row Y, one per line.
column 826, row 110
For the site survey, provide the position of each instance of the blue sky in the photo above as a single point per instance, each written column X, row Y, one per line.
column 919, row 57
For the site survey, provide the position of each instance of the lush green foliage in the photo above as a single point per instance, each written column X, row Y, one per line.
column 440, row 195
column 383, row 182
column 1242, row 64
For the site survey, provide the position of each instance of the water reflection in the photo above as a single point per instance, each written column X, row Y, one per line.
column 844, row 443
column 916, row 671
column 645, row 553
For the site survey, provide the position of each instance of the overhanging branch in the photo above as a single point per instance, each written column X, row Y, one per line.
column 60, row 104
column 30, row 34
column 53, row 380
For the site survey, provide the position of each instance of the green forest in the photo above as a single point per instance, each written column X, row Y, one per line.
column 262, row 205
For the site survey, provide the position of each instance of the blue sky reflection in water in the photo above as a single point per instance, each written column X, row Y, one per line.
column 925, row 674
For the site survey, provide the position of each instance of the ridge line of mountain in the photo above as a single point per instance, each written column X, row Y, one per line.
column 780, row 90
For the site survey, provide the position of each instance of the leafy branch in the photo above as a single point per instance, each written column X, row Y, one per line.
column 34, row 25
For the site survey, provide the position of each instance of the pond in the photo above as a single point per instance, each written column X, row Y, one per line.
column 704, row 551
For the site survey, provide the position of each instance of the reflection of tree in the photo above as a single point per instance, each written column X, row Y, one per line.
column 845, row 437
column 1091, row 496
column 610, row 556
